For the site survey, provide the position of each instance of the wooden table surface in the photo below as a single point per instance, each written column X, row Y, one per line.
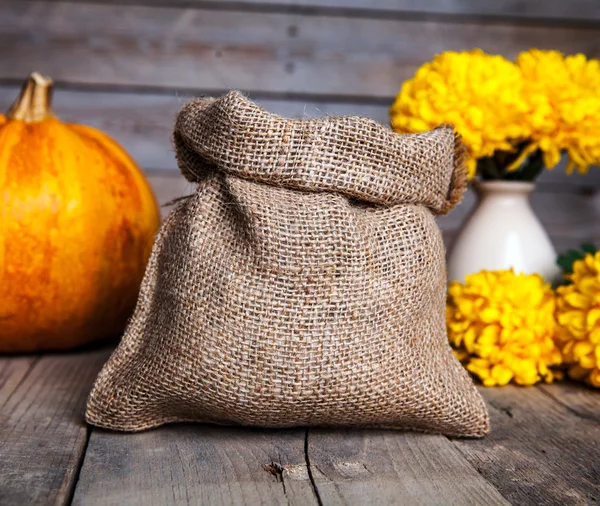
column 544, row 448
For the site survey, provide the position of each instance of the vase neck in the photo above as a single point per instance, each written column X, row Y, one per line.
column 515, row 189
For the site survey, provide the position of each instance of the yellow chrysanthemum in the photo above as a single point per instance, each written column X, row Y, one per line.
column 564, row 97
column 502, row 326
column 578, row 315
column 480, row 94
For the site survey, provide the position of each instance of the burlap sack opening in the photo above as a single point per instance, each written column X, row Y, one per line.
column 302, row 284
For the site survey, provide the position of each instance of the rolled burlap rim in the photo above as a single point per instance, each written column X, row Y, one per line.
column 353, row 156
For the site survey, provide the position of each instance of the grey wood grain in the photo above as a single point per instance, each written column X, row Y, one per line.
column 42, row 431
column 561, row 243
column 538, row 451
column 195, row 464
column 13, row 370
column 282, row 53
column 520, row 9
column 168, row 188
column 570, row 217
column 571, row 214
column 143, row 124
column 579, row 398
column 567, row 205
column 579, row 10
column 355, row 467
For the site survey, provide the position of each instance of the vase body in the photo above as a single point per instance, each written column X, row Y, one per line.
column 503, row 232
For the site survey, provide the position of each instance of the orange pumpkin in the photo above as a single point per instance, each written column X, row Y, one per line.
column 77, row 219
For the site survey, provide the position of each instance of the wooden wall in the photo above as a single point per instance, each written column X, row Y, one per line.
column 126, row 67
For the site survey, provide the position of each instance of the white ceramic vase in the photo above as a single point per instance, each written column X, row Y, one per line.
column 503, row 232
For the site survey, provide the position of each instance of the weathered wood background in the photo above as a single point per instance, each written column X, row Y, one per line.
column 126, row 67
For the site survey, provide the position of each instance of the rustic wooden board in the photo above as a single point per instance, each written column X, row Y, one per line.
column 580, row 399
column 525, row 10
column 565, row 213
column 168, row 188
column 143, row 124
column 389, row 467
column 571, row 217
column 277, row 53
column 539, row 451
column 42, row 431
column 195, row 464
column 13, row 370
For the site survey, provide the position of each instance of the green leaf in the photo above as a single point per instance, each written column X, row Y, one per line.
column 567, row 259
column 589, row 248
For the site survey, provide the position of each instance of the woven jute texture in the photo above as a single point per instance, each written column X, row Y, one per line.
column 302, row 284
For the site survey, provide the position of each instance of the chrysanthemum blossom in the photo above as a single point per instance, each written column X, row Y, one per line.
column 564, row 97
column 578, row 314
column 502, row 327
column 481, row 95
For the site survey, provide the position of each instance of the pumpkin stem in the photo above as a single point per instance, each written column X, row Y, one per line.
column 34, row 102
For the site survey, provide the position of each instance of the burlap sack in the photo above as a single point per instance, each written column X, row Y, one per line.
column 302, row 284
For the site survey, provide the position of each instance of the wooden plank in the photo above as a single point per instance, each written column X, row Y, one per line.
column 354, row 467
column 42, row 431
column 584, row 10
column 578, row 398
column 143, row 122
column 570, row 217
column 564, row 211
column 168, row 188
column 195, row 464
column 578, row 10
column 281, row 53
column 13, row 370
column 561, row 243
column 538, row 451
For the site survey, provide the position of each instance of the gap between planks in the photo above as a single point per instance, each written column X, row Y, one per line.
column 42, row 431
column 309, row 469
column 539, row 450
column 211, row 49
column 13, row 372
column 550, row 12
column 197, row 464
column 143, row 124
column 543, row 446
column 207, row 464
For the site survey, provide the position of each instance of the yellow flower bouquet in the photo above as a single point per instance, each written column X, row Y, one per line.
column 515, row 118
column 506, row 327
column 578, row 315
column 502, row 327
